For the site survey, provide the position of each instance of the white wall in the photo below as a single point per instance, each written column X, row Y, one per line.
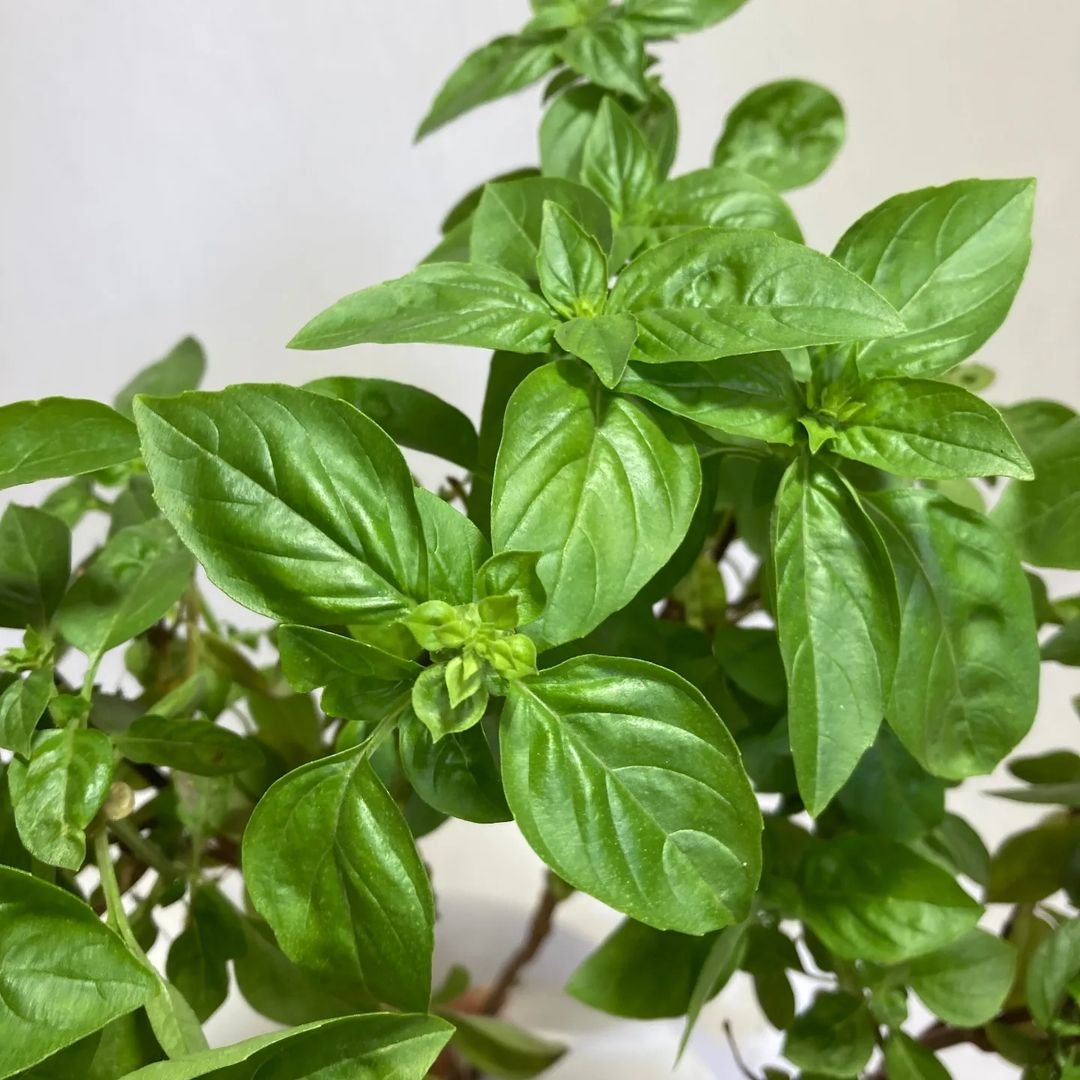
column 228, row 169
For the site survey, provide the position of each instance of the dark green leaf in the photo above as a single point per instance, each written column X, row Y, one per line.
column 837, row 620
column 959, row 848
column 1064, row 647
column 35, row 562
column 513, row 573
column 834, row 1037
column 296, row 504
column 602, row 486
column 1055, row 767
column 870, row 898
column 603, row 342
column 617, row 162
column 609, row 53
column 182, row 368
column 571, row 266
column 455, row 546
column 950, row 260
column 499, row 1048
column 721, row 292
column 21, row 707
column 1032, row 864
column 193, row 746
column 119, row 1048
column 411, row 416
column 662, row 18
column 966, row 983
column 1054, row 968
column 627, row 784
column 312, row 658
column 328, row 838
column 906, row 1059
column 787, row 133
column 197, row 964
column 134, row 505
column 721, row 962
column 61, row 437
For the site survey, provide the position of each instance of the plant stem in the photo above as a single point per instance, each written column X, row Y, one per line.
column 118, row 919
column 130, row 837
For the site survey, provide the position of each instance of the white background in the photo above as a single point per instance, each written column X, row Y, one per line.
column 228, row 169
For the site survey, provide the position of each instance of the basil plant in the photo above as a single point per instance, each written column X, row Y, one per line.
column 711, row 605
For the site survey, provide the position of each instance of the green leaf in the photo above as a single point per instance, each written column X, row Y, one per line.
column 753, row 397
column 950, row 260
column 870, row 898
column 192, row 746
column 119, row 1048
column 966, row 983
column 662, row 18
column 837, row 620
column 626, row 783
column 297, row 505
column 905, row 1059
column 571, row 266
column 641, row 973
column 786, row 133
column 1064, row 648
column 609, row 53
column 65, row 973
column 328, row 838
column 724, row 956
column 966, row 682
column 35, row 563
column 182, row 368
column 499, row 1048
column 456, row 549
column 501, row 67
column 721, row 197
column 372, row 1047
column 57, row 795
column 61, row 437
column 928, row 430
column 958, row 847
column 834, row 1037
column 411, row 416
column 1032, row 864
column 444, row 708
column 130, row 583
column 1054, row 967
column 22, row 705
column 720, row 292
column 600, row 484
column 440, row 303
column 1055, row 767
column 603, row 342
column 508, row 226
column 312, row 658
column 457, row 775
column 617, row 162
column 1042, row 518
column 514, row 573
column 197, row 964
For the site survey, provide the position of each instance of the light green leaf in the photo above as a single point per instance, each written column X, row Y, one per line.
column 513, row 573
column 35, row 563
column 61, row 437
column 603, row 342
column 501, row 67
column 928, row 430
column 411, row 416
column 1054, row 967
column 966, row 983
column 21, row 707
column 870, row 898
column 837, row 618
column 967, row 673
column 456, row 549
column 628, row 785
column 507, row 229
column 600, row 484
column 662, row 18
column 499, row 1048
column 720, row 292
column 834, row 1037
column 65, row 974
column 440, row 303
column 753, row 397
column 787, row 133
column 571, row 265
column 617, row 162
column 57, row 795
column 1042, row 518
column 905, row 1059
column 297, row 505
column 609, row 53
column 376, row 1046
column 193, row 746
column 445, row 710
column 328, row 838
column 182, row 368
column 950, row 260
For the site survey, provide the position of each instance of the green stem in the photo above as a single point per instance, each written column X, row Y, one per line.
column 90, row 676
column 114, row 903
column 146, row 850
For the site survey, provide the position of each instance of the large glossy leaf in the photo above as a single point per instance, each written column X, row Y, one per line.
column 376, row 1046
column 628, row 785
column 950, row 260
column 967, row 673
column 661, row 18
column 443, row 303
column 182, row 368
column 965, row 983
column 1042, row 518
column 296, row 504
column 755, row 397
column 130, row 583
column 35, row 561
column 787, row 133
column 869, row 898
column 837, row 619
column 721, row 292
column 327, row 838
column 61, row 437
column 928, row 429
column 411, row 416
column 57, row 795
column 602, row 485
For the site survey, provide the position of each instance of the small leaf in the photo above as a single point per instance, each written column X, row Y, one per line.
column 456, row 549
column 433, row 701
column 608, row 53
column 513, row 573
column 312, row 658
column 906, row 1059
column 192, row 746
column 723, row 959
column 1032, row 864
column 182, row 368
column 571, row 266
column 602, row 341
column 834, row 1037
column 499, row 1048
column 35, row 563
column 617, row 162
column 1054, row 967
column 662, row 18
column 22, row 705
